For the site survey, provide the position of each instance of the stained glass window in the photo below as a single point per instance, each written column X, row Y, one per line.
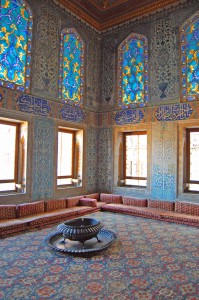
column 71, row 67
column 133, row 71
column 190, row 59
column 15, row 47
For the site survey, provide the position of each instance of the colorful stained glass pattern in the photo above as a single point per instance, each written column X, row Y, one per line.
column 15, row 47
column 71, row 67
column 190, row 59
column 133, row 71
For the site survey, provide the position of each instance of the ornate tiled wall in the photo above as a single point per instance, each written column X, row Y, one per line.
column 93, row 88
column 105, row 159
column 15, row 100
column 92, row 173
column 164, row 160
column 162, row 30
column 43, row 158
column 100, row 113
column 164, row 61
column 24, row 103
column 49, row 19
column 100, row 143
column 165, row 110
column 46, row 62
column 108, row 65
column 164, row 155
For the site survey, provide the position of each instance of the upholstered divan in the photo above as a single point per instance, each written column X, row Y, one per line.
column 96, row 196
column 177, row 212
column 24, row 216
column 16, row 218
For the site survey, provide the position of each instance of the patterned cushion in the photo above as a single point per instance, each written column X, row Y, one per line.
column 83, row 210
column 10, row 227
column 73, row 201
column 134, row 201
column 153, row 213
column 93, row 196
column 88, row 202
column 52, row 217
column 55, row 204
column 166, row 205
column 132, row 210
column 28, row 209
column 7, row 212
column 181, row 219
column 187, row 208
column 111, row 198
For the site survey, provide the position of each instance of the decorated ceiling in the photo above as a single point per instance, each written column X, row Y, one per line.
column 104, row 14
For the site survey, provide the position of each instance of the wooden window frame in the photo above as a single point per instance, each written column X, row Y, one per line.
column 73, row 156
column 16, row 166
column 188, row 181
column 124, row 145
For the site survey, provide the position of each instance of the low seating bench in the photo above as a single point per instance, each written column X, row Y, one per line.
column 16, row 218
column 21, row 217
column 153, row 213
column 178, row 212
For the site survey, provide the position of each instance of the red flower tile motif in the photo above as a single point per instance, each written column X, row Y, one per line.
column 51, row 279
column 140, row 283
column 4, row 282
column 94, row 287
column 46, row 291
column 14, row 271
column 95, row 275
column 28, row 281
column 143, row 295
column 179, row 277
column 56, row 269
column 166, row 293
column 96, row 266
column 187, row 289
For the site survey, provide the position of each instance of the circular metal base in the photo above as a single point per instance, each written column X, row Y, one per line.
column 56, row 241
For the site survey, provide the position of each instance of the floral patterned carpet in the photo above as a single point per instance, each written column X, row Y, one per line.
column 149, row 260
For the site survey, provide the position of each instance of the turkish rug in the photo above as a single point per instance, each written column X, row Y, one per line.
column 149, row 260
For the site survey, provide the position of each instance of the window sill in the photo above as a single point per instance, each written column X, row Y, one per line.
column 190, row 197
column 11, row 193
column 132, row 186
column 191, row 192
column 14, row 198
column 68, row 187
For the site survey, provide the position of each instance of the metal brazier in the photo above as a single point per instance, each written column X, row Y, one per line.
column 80, row 229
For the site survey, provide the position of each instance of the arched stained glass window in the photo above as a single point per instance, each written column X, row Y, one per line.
column 71, row 67
column 190, row 58
column 15, row 47
column 133, row 71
